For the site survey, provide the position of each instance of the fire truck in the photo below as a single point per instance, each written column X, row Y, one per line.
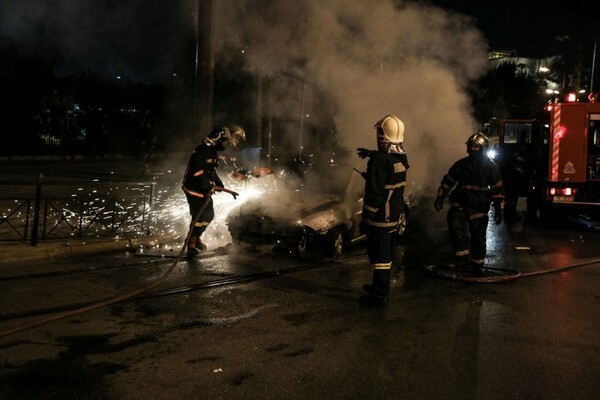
column 555, row 164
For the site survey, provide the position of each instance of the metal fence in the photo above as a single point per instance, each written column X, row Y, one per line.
column 72, row 209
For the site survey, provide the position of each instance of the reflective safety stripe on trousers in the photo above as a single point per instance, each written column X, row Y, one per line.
column 382, row 265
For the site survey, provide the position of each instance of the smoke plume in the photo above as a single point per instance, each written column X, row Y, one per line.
column 375, row 58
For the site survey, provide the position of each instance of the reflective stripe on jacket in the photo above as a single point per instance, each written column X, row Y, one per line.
column 475, row 183
column 201, row 170
column 384, row 188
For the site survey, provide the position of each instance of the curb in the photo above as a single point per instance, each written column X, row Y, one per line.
column 43, row 251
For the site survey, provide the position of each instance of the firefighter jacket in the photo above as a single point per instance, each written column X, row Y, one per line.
column 474, row 182
column 201, row 171
column 384, row 189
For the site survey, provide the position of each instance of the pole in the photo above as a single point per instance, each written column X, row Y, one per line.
column 36, row 213
column 259, row 110
column 593, row 67
column 302, row 98
column 270, row 125
column 205, row 61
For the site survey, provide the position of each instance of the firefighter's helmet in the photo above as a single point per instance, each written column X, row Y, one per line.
column 478, row 139
column 390, row 129
column 218, row 135
column 237, row 134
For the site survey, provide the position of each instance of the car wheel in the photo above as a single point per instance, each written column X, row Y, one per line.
column 302, row 246
column 401, row 225
column 335, row 242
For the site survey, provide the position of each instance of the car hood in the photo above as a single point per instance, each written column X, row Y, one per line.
column 317, row 211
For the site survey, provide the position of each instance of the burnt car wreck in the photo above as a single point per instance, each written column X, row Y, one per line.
column 316, row 212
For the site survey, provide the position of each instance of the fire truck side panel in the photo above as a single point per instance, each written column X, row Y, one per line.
column 567, row 161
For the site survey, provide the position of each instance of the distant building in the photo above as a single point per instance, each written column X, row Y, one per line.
column 536, row 67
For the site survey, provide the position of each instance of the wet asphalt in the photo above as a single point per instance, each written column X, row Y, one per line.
column 255, row 323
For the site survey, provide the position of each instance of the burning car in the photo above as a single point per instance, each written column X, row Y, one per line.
column 319, row 210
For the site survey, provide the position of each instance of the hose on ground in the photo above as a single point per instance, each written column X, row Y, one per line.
column 126, row 296
column 502, row 275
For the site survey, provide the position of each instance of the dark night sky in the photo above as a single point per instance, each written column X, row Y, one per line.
column 141, row 37
column 533, row 28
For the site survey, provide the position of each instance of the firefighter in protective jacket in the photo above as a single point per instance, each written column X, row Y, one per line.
column 473, row 183
column 201, row 177
column 383, row 201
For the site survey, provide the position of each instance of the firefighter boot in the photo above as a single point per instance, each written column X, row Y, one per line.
column 380, row 287
column 477, row 266
column 192, row 251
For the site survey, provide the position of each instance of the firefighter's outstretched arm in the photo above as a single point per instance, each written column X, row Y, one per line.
column 222, row 189
column 363, row 153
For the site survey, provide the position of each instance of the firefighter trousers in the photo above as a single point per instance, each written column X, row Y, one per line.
column 379, row 251
column 195, row 204
column 467, row 236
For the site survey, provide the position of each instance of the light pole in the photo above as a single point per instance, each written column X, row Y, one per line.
column 593, row 67
column 205, row 63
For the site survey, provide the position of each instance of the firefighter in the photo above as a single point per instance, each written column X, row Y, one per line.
column 473, row 183
column 516, row 183
column 230, row 156
column 201, row 176
column 385, row 179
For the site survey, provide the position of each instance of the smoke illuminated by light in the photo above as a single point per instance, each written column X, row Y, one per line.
column 373, row 58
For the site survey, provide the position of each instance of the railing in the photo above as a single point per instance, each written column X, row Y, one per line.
column 75, row 209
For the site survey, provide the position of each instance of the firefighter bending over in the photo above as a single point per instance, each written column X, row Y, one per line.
column 383, row 201
column 473, row 183
column 201, row 176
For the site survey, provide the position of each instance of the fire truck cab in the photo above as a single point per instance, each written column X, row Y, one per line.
column 556, row 166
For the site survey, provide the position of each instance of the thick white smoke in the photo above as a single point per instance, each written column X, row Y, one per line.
column 376, row 57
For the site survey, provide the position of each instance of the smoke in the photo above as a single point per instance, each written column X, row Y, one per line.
column 375, row 58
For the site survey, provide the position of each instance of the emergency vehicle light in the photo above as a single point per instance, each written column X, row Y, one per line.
column 571, row 97
column 562, row 191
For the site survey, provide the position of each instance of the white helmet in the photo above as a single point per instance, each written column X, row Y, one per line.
column 390, row 130
column 237, row 134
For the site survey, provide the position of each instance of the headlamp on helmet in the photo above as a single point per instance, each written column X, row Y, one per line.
column 237, row 134
column 218, row 135
column 478, row 139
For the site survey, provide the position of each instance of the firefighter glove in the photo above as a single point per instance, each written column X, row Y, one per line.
column 363, row 153
column 498, row 212
column 439, row 203
column 363, row 227
column 439, row 200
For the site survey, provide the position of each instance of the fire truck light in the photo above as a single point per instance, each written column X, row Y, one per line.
column 552, row 191
column 560, row 132
column 567, row 191
column 571, row 97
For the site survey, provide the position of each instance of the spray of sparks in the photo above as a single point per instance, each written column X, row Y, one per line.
column 173, row 213
column 103, row 209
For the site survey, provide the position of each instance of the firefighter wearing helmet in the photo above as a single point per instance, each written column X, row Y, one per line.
column 472, row 183
column 230, row 156
column 200, row 178
column 385, row 179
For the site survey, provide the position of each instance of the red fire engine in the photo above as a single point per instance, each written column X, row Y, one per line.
column 556, row 165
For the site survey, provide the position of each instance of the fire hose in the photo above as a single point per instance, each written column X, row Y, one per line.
column 504, row 274
column 135, row 293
